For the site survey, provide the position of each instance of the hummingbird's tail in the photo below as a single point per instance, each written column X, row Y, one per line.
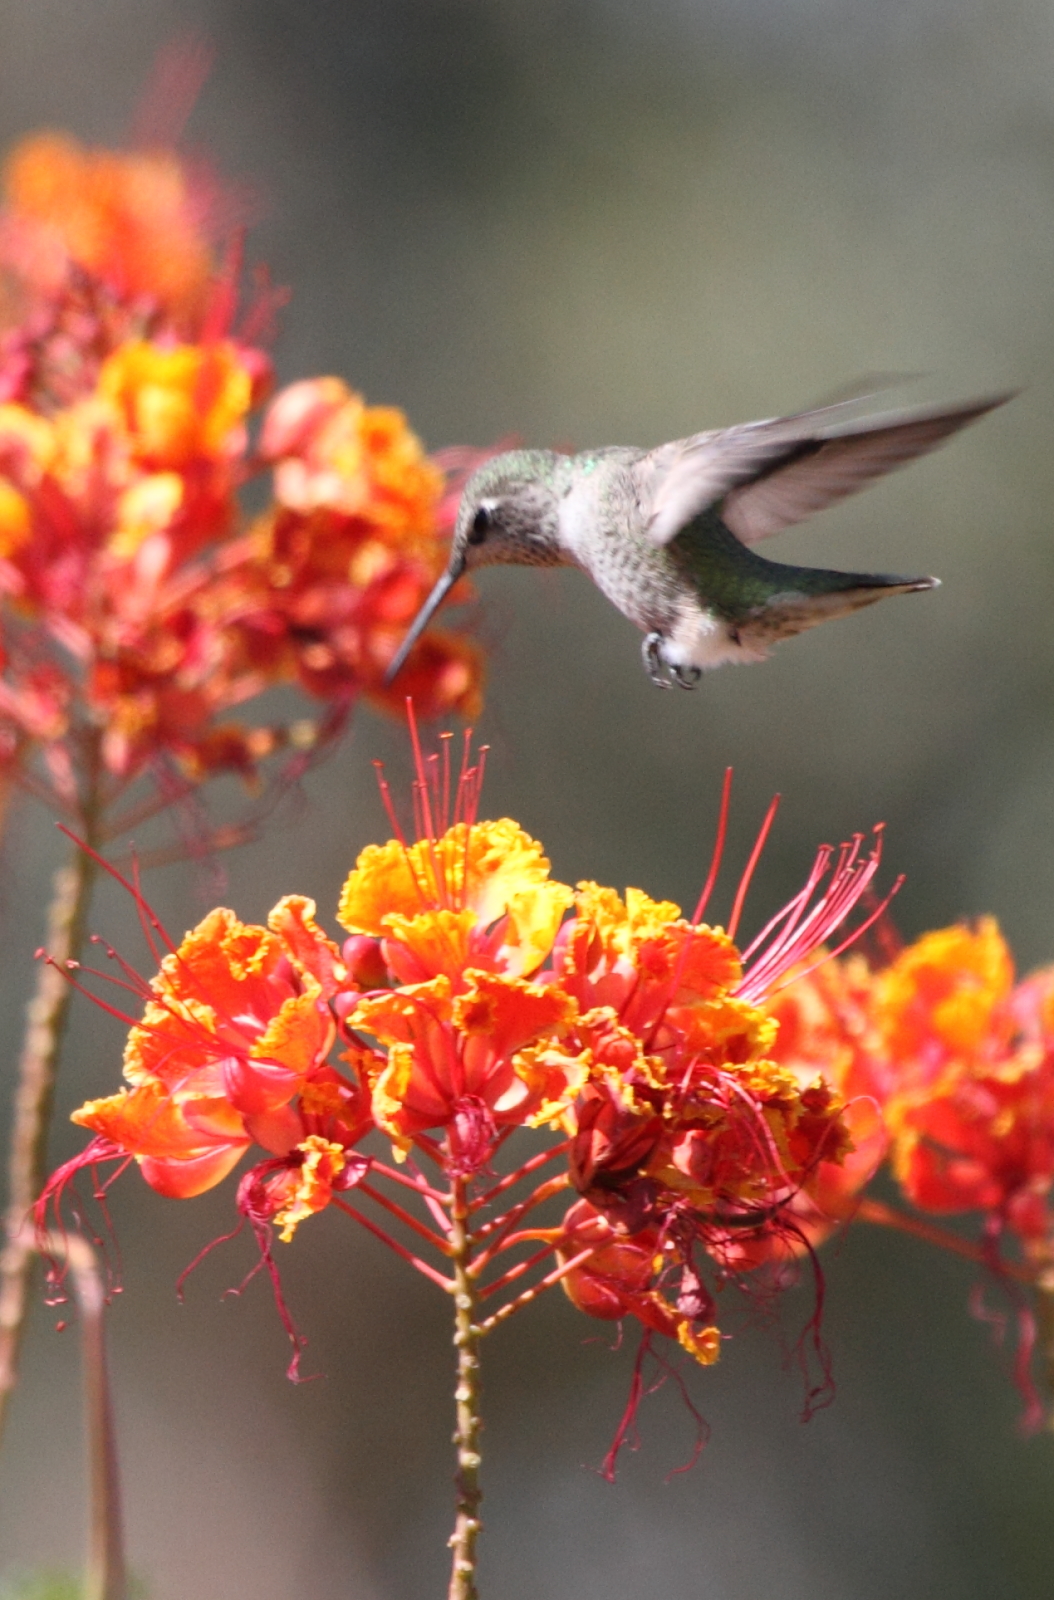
column 811, row 595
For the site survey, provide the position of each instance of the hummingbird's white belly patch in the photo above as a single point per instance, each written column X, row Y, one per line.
column 699, row 639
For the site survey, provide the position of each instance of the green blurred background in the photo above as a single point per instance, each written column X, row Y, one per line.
column 584, row 223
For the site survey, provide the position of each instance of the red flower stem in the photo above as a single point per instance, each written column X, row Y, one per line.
column 418, row 1185
column 46, row 1017
column 504, row 1312
column 878, row 1212
column 521, row 1266
column 522, row 1172
column 505, row 1223
column 393, row 1244
column 467, row 1335
column 105, row 1578
column 422, row 1229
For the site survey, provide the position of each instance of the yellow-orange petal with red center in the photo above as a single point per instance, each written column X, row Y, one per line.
column 727, row 1031
column 148, row 507
column 397, row 1017
column 301, row 1032
column 443, row 676
column 535, row 915
column 480, row 869
column 333, row 451
column 16, row 522
column 621, row 925
column 388, row 1097
column 231, row 1014
column 553, row 1077
column 293, row 920
column 175, row 1158
column 438, row 941
column 509, row 1012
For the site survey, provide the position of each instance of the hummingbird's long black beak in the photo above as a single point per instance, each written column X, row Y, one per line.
column 424, row 617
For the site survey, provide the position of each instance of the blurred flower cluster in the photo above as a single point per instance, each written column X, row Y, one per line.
column 142, row 608
column 952, row 1064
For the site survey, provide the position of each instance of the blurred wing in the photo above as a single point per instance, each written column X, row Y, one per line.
column 772, row 474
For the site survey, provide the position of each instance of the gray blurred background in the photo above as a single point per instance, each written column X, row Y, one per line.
column 584, row 223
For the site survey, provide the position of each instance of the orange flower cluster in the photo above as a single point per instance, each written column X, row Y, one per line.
column 140, row 610
column 474, row 996
column 968, row 1063
column 947, row 1067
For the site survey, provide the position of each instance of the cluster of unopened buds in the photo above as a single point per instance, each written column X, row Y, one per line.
column 142, row 608
column 712, row 1114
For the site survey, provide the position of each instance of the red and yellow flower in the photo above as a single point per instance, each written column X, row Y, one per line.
column 231, row 1051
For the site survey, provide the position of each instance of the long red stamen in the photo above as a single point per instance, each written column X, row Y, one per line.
column 805, row 930
column 66, row 971
column 445, row 739
column 389, row 804
column 142, row 906
column 462, row 777
column 213, row 1244
column 849, row 940
column 719, row 848
column 755, row 857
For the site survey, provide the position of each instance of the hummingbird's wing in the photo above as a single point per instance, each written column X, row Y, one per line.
column 769, row 475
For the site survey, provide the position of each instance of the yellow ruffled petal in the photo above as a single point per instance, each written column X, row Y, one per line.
column 438, row 939
column 480, row 869
column 323, row 1163
column 535, row 915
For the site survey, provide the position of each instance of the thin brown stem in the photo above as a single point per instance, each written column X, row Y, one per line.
column 34, row 1094
column 467, row 1524
column 106, row 1577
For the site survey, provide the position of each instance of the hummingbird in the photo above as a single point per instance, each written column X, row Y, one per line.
column 667, row 534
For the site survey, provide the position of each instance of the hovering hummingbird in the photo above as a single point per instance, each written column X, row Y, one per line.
column 666, row 534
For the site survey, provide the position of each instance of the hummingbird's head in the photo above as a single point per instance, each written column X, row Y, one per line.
column 508, row 513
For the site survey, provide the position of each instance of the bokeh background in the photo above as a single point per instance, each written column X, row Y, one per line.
column 598, row 221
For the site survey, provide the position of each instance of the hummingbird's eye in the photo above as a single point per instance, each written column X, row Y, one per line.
column 481, row 525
